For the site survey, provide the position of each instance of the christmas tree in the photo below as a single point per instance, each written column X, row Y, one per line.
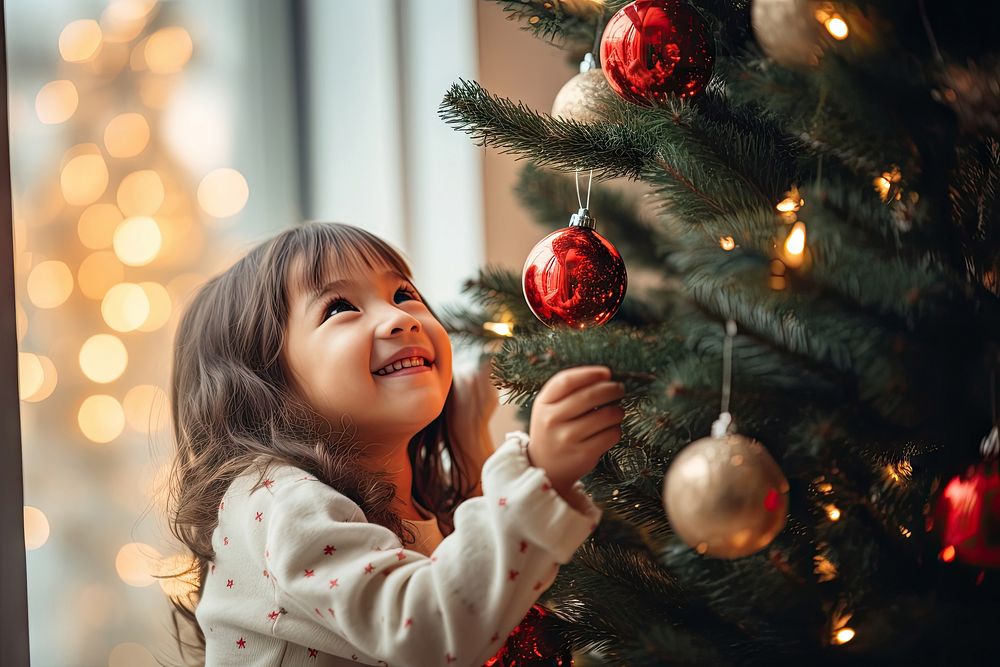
column 819, row 179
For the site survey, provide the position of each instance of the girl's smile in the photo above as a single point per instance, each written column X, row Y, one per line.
column 407, row 361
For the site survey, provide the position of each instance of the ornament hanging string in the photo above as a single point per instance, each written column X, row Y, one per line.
column 590, row 181
column 724, row 423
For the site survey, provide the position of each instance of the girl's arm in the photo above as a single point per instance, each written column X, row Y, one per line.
column 347, row 587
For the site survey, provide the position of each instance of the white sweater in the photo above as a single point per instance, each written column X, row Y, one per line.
column 301, row 578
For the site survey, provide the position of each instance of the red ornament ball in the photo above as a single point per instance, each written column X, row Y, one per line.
column 574, row 276
column 654, row 49
column 528, row 646
column 968, row 517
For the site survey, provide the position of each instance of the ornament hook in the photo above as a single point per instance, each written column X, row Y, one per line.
column 724, row 424
column 582, row 218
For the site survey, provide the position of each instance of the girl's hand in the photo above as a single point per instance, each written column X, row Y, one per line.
column 575, row 419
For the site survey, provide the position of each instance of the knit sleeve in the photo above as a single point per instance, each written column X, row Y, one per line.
column 350, row 588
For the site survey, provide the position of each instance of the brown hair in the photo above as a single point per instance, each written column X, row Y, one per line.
column 233, row 407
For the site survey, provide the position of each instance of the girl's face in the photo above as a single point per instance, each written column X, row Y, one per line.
column 340, row 341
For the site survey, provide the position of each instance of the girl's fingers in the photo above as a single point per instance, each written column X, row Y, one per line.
column 584, row 427
column 586, row 399
column 567, row 381
column 604, row 440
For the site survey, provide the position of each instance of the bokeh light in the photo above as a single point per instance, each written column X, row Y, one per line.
column 180, row 584
column 97, row 225
column 98, row 272
column 50, row 377
column 101, row 418
column 140, row 193
column 159, row 306
column 146, row 408
column 85, row 176
column 137, row 241
column 49, row 284
column 136, row 563
column 36, row 528
column 103, row 358
column 56, row 102
column 80, row 40
column 126, row 135
column 30, row 374
column 223, row 193
column 125, row 306
column 168, row 50
column 123, row 20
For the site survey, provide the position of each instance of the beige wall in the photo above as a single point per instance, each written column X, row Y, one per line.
column 515, row 64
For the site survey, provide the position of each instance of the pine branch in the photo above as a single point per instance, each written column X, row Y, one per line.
column 559, row 23
column 611, row 150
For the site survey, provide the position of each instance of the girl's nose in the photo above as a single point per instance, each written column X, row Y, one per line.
column 399, row 321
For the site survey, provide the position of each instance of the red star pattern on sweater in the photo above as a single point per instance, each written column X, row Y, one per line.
column 312, row 652
column 400, row 555
column 546, row 486
column 310, row 573
column 225, row 540
column 502, row 502
column 333, row 583
column 408, row 623
column 369, row 568
column 513, row 575
column 524, row 546
column 273, row 615
column 329, row 549
column 229, row 583
column 242, row 643
column 260, row 516
column 268, row 483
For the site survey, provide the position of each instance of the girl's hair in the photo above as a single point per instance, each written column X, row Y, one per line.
column 233, row 407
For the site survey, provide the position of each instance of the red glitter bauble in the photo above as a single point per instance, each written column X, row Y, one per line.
column 968, row 517
column 528, row 646
column 655, row 49
column 574, row 276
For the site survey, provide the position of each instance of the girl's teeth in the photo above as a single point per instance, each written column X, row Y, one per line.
column 400, row 365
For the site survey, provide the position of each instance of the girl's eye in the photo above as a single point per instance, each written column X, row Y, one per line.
column 337, row 305
column 408, row 292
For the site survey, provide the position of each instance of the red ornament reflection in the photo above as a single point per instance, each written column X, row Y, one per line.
column 653, row 49
column 527, row 646
column 574, row 276
column 968, row 516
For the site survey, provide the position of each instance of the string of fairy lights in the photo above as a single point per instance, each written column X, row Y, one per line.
column 138, row 215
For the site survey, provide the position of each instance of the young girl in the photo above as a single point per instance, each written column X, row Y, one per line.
column 335, row 496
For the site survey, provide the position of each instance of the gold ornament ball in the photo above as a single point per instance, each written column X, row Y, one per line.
column 577, row 99
column 725, row 497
